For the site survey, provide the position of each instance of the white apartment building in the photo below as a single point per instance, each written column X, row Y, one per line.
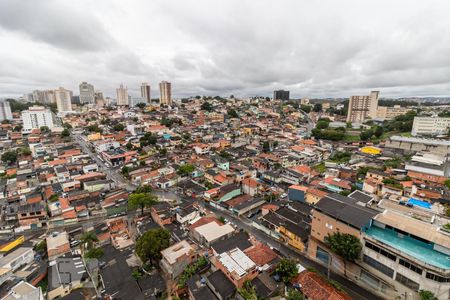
column 430, row 126
column 122, row 96
column 361, row 108
column 87, row 93
column 5, row 110
column 63, row 100
column 36, row 117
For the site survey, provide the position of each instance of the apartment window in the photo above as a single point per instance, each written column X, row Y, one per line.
column 322, row 255
column 407, row 282
column 437, row 277
column 381, row 251
column 369, row 279
column 410, row 266
column 379, row 266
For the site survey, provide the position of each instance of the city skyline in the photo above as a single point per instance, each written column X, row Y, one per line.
column 246, row 50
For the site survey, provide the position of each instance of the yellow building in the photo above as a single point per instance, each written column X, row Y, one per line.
column 94, row 136
column 371, row 150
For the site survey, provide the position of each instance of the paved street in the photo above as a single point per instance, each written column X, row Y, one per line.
column 355, row 291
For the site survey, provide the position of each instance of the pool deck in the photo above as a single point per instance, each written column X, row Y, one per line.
column 410, row 247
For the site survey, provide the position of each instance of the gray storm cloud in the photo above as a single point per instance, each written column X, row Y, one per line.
column 315, row 49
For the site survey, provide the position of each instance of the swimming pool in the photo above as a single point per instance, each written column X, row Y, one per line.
column 420, row 203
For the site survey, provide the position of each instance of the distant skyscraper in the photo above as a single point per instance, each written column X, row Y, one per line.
column 36, row 117
column 145, row 92
column 46, row 96
column 87, row 94
column 5, row 110
column 122, row 96
column 63, row 100
column 281, row 95
column 165, row 90
column 360, row 108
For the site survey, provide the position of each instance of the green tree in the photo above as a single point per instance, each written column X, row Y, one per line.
column 89, row 238
column 322, row 124
column 141, row 200
column 286, row 269
column 18, row 128
column 150, row 244
column 143, row 189
column 185, row 169
column 125, row 170
column 53, row 198
column 65, row 133
column 446, row 182
column 266, row 146
column 24, row 151
column 206, row 106
column 365, row 135
column 379, row 131
column 141, row 105
column 96, row 253
column 129, row 146
column 248, row 291
column 136, row 274
column 41, row 246
column 44, row 129
column 294, row 294
column 118, row 127
column 427, row 295
column 317, row 107
column 348, row 125
column 232, row 113
column 305, row 108
column 345, row 245
column 9, row 157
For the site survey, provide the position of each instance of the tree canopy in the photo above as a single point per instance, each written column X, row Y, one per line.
column 89, row 238
column 286, row 269
column 9, row 157
column 118, row 127
column 345, row 245
column 206, row 106
column 185, row 169
column 150, row 244
column 427, row 295
column 141, row 200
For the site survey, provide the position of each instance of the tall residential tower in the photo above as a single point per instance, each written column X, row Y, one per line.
column 87, row 94
column 63, row 100
column 361, row 108
column 165, row 90
column 122, row 96
column 145, row 92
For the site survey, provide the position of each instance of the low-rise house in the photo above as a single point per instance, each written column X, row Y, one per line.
column 236, row 265
column 177, row 257
column 314, row 286
column 57, row 244
column 220, row 285
column 211, row 232
column 24, row 291
column 17, row 258
column 65, row 275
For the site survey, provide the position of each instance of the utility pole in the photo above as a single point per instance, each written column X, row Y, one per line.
column 330, row 258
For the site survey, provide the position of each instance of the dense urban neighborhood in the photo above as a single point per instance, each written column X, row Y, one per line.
column 211, row 197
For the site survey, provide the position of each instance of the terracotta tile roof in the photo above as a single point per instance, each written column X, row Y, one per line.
column 250, row 182
column 315, row 287
column 203, row 221
column 298, row 187
column 317, row 192
column 238, row 200
column 261, row 254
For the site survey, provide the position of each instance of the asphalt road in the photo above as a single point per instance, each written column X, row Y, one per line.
column 354, row 290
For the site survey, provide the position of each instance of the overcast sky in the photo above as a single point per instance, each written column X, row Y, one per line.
column 312, row 48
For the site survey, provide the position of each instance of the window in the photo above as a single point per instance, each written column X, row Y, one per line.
column 379, row 266
column 407, row 282
column 322, row 255
column 410, row 266
column 437, row 277
column 369, row 279
column 381, row 251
